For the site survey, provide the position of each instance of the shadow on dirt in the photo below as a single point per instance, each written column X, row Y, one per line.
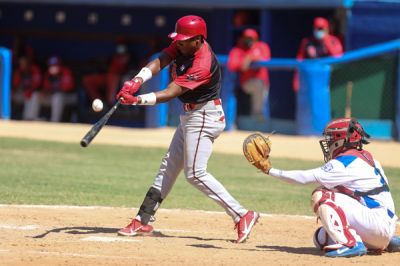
column 293, row 250
column 160, row 234
column 79, row 230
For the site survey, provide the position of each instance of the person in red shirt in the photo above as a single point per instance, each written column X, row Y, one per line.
column 196, row 81
column 104, row 85
column 58, row 86
column 27, row 79
column 254, row 82
column 321, row 44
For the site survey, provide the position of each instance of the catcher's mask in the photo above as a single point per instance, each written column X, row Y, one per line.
column 341, row 134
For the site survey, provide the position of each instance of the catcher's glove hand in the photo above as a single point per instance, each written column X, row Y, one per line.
column 256, row 149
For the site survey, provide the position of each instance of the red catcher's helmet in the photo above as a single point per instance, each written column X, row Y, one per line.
column 341, row 134
column 188, row 27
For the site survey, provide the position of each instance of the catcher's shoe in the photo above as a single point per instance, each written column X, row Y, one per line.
column 358, row 249
column 135, row 228
column 245, row 225
column 394, row 244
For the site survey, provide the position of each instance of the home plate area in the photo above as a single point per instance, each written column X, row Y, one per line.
column 68, row 235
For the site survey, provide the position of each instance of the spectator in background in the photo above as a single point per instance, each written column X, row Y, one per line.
column 254, row 82
column 322, row 44
column 104, row 85
column 27, row 79
column 58, row 87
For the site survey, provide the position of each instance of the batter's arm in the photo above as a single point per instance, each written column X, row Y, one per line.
column 172, row 91
column 159, row 63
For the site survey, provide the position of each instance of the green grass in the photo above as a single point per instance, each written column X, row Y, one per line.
column 39, row 172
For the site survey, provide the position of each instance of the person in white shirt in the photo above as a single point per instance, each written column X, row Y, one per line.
column 353, row 200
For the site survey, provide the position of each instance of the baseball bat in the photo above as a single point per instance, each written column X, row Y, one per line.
column 349, row 92
column 98, row 126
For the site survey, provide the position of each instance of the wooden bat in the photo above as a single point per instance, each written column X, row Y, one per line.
column 98, row 126
column 349, row 92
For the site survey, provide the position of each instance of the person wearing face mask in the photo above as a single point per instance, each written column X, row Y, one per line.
column 254, row 82
column 58, row 84
column 321, row 44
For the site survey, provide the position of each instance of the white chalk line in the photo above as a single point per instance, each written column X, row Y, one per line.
column 135, row 209
column 22, row 228
column 70, row 254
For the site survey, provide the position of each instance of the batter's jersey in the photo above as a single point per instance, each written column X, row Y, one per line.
column 200, row 73
column 349, row 172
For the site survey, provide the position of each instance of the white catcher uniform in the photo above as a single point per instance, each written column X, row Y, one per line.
column 353, row 201
column 372, row 217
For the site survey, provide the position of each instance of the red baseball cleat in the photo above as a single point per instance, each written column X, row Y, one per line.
column 135, row 228
column 245, row 225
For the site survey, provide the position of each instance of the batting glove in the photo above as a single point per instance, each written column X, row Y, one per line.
column 130, row 87
column 128, row 99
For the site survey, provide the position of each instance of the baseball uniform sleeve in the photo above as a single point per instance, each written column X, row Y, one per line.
column 194, row 78
column 295, row 177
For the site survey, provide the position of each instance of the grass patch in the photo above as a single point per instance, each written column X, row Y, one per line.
column 40, row 172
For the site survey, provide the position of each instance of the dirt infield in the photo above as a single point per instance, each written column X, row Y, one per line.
column 62, row 235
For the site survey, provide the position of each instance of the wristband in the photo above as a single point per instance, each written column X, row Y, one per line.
column 147, row 99
column 145, row 74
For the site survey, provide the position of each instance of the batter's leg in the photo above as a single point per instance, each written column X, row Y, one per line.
column 171, row 166
column 198, row 148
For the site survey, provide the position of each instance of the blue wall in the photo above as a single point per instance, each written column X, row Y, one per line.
column 373, row 23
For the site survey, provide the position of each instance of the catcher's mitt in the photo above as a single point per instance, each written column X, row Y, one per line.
column 256, row 149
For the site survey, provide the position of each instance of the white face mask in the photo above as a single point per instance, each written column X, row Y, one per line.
column 319, row 34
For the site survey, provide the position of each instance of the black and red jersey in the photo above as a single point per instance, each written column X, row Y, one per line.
column 200, row 73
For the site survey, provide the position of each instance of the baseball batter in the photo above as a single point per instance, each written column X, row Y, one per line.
column 196, row 81
column 354, row 202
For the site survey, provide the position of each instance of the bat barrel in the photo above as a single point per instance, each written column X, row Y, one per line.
column 84, row 143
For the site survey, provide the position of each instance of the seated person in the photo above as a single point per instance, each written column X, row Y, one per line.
column 58, row 87
column 26, row 82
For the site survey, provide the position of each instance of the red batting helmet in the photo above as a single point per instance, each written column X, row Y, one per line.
column 341, row 134
column 188, row 27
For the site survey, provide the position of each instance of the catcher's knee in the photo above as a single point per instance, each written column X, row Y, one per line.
column 150, row 204
column 319, row 196
column 332, row 217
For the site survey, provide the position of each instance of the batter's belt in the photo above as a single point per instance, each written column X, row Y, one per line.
column 193, row 106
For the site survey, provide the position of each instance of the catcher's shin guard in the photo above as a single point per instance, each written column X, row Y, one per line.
column 333, row 219
column 150, row 205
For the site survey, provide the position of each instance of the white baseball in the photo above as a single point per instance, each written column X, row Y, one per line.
column 97, row 105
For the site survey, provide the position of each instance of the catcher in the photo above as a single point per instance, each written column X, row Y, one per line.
column 353, row 201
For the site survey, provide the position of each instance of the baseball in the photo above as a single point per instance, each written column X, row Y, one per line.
column 97, row 105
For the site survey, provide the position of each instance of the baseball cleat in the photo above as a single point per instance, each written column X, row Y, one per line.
column 358, row 249
column 135, row 228
column 394, row 244
column 245, row 225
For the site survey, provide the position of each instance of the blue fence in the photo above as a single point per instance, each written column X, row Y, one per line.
column 313, row 98
column 5, row 83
